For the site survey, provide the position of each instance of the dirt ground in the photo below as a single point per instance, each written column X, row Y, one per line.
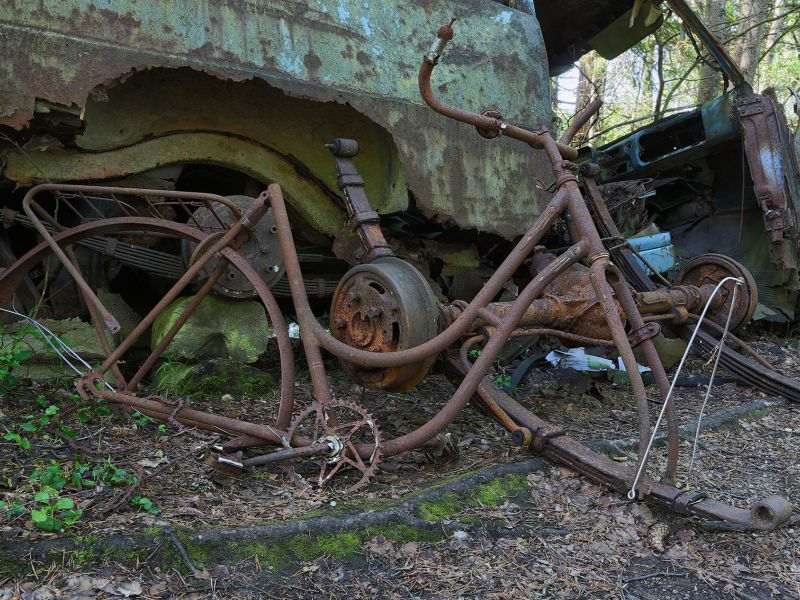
column 555, row 535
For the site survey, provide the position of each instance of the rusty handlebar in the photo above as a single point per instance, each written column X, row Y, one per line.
column 490, row 124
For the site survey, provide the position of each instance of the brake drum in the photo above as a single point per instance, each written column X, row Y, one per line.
column 261, row 249
column 385, row 306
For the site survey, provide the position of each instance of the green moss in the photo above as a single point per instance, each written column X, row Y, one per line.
column 171, row 559
column 84, row 556
column 447, row 504
column 10, row 566
column 202, row 555
column 169, row 377
column 274, row 557
column 339, row 545
column 493, row 493
column 404, row 533
column 282, row 554
column 277, row 555
column 212, row 380
column 500, row 489
column 153, row 531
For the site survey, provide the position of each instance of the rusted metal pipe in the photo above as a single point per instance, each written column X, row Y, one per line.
column 195, row 418
column 188, row 311
column 482, row 122
column 564, row 335
column 625, row 298
column 554, row 444
column 254, row 213
column 313, row 334
column 86, row 291
column 288, row 454
column 490, row 351
column 579, row 120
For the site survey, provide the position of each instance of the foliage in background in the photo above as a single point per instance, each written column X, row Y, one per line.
column 663, row 73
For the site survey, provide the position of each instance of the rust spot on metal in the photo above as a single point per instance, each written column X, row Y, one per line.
column 364, row 59
column 312, row 63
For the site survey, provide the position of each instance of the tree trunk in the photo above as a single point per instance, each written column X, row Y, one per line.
column 555, row 121
column 591, row 84
column 710, row 82
column 751, row 31
column 585, row 81
column 775, row 30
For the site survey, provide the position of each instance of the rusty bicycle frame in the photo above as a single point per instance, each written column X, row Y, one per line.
column 498, row 322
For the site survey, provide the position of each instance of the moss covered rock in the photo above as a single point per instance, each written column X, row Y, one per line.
column 219, row 328
column 39, row 361
column 212, row 379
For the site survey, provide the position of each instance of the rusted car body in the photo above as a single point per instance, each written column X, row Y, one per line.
column 724, row 179
column 228, row 96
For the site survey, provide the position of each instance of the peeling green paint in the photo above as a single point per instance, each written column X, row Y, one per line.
column 254, row 160
column 324, row 72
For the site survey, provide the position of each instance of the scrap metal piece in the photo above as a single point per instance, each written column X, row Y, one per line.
column 334, row 429
column 361, row 216
column 766, row 514
column 773, row 167
column 709, row 270
column 745, row 370
column 650, row 330
column 385, row 306
column 260, row 249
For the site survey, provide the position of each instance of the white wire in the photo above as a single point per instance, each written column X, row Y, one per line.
column 710, row 383
column 48, row 336
column 643, row 461
column 41, row 328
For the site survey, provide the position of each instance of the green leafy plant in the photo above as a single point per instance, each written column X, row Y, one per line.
column 21, row 441
column 50, row 511
column 145, row 504
column 46, row 496
column 51, row 476
column 34, row 423
column 14, row 350
column 110, row 474
column 502, row 381
column 54, row 512
column 13, row 508
column 81, row 475
column 140, row 419
column 93, row 408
